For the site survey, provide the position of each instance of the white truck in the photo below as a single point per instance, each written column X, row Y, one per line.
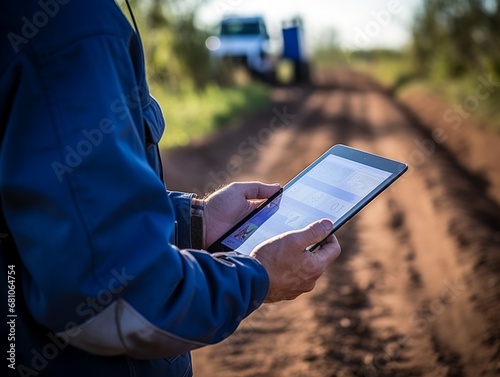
column 245, row 41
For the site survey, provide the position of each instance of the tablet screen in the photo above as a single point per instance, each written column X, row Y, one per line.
column 329, row 190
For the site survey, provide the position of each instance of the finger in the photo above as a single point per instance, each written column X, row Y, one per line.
column 328, row 252
column 314, row 233
column 331, row 239
column 257, row 190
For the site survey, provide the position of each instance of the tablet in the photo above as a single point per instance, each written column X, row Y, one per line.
column 336, row 186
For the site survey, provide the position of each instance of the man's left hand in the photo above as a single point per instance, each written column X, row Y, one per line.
column 225, row 207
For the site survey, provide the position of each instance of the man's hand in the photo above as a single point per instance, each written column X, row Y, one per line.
column 292, row 270
column 225, row 207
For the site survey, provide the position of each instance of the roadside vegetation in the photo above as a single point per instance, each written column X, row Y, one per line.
column 197, row 95
column 453, row 51
column 192, row 113
column 455, row 47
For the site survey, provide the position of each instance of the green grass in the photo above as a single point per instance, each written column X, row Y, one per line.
column 193, row 114
column 393, row 69
column 391, row 72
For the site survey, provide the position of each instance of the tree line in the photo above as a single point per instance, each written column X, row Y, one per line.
column 174, row 46
column 455, row 38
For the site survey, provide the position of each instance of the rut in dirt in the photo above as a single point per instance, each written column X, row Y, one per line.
column 416, row 290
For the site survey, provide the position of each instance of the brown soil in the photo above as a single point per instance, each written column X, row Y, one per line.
column 416, row 290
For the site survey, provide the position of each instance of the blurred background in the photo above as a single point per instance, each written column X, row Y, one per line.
column 441, row 44
column 259, row 89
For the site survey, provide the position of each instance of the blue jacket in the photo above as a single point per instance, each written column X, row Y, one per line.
column 98, row 243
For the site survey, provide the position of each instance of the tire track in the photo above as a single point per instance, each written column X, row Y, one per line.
column 447, row 197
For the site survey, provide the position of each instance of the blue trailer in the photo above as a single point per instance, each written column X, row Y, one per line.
column 294, row 49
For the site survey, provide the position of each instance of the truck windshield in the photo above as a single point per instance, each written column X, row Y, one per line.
column 240, row 28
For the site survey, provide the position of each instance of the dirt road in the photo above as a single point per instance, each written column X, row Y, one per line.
column 416, row 291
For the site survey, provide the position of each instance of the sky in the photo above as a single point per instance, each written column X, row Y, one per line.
column 358, row 24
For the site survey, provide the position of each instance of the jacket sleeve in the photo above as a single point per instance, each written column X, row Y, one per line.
column 182, row 206
column 93, row 222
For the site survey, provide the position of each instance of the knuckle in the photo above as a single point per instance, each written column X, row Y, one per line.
column 314, row 231
column 317, row 232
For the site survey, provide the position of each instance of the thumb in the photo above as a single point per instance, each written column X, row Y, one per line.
column 316, row 232
column 259, row 190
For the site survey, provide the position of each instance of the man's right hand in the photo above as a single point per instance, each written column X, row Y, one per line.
column 293, row 270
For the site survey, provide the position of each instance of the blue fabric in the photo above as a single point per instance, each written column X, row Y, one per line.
column 81, row 188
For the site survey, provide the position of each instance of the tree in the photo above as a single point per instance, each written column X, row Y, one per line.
column 460, row 36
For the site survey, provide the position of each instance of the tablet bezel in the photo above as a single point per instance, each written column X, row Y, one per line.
column 396, row 169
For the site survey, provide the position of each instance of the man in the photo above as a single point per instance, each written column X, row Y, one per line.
column 107, row 282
